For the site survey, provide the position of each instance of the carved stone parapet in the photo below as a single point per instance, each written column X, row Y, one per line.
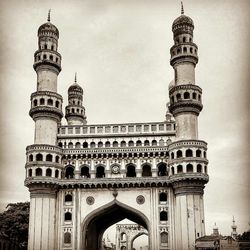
column 185, row 187
column 47, row 65
column 43, row 147
column 44, row 164
column 184, row 58
column 185, row 106
column 184, row 87
column 187, row 143
column 46, row 111
column 46, row 93
column 43, row 190
column 181, row 160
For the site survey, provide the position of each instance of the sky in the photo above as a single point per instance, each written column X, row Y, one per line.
column 120, row 51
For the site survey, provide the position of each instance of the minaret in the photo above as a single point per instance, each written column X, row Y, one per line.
column 187, row 163
column 215, row 230
column 75, row 111
column 234, row 229
column 43, row 166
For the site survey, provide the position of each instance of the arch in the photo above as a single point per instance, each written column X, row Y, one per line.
column 161, row 142
column 115, row 144
column 35, row 102
column 135, row 237
column 131, row 144
column 163, row 197
column 68, row 198
column 179, row 169
column 172, row 170
column 172, row 155
column 57, row 159
column 194, row 95
column 67, row 216
column 162, row 169
column 104, row 217
column 178, row 96
column 123, row 144
column 70, row 145
column 92, row 144
column 107, row 144
column 48, row 172
column 163, row 216
column 100, row 144
column 42, row 101
column 154, row 143
column 190, row 168
column 184, row 39
column 205, row 154
column 69, row 172
column 123, row 236
column 85, row 145
column 179, row 154
column 30, row 173
column 164, row 237
column 30, row 157
column 67, row 238
column 51, row 57
column 146, row 170
column 205, row 169
column 199, row 168
column 39, row 172
column 44, row 57
column 49, row 157
column 130, row 170
column 185, row 49
column 39, row 157
column 56, row 173
column 191, row 50
column 57, row 104
column 78, row 145
column 100, row 171
column 198, row 153
column 138, row 143
column 186, row 95
column 50, row 102
column 85, row 172
column 146, row 143
column 189, row 153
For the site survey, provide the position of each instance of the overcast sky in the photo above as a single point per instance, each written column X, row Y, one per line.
column 120, row 50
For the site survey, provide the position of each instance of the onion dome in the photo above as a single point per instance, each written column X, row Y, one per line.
column 75, row 87
column 48, row 27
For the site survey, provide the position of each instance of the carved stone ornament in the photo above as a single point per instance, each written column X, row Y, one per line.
column 115, row 169
column 140, row 199
column 90, row 200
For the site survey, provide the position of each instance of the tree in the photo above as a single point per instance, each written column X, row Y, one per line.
column 14, row 223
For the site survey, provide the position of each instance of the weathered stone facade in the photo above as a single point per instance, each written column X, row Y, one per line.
column 84, row 178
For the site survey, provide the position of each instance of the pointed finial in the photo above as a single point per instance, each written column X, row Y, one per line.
column 182, row 8
column 49, row 15
column 75, row 77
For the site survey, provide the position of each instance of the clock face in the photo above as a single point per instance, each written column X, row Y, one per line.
column 115, row 169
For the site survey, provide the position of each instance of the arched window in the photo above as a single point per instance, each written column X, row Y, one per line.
column 198, row 153
column 85, row 145
column 57, row 159
column 85, row 172
column 146, row 143
column 56, row 59
column 57, row 104
column 52, row 47
column 48, row 172
column 199, row 97
column 189, row 153
column 123, row 237
column 100, row 172
column 60, row 144
column 190, row 39
column 44, row 57
column 179, row 154
column 45, row 46
column 162, row 169
column 172, row 170
column 163, row 216
column 185, row 49
column 199, row 168
column 70, row 145
column 146, row 170
column 190, row 168
column 42, row 101
column 161, row 142
column 131, row 144
column 30, row 157
column 69, row 173
column 39, row 172
column 39, row 157
column 131, row 171
column 163, row 197
column 67, row 238
column 30, row 172
column 92, row 144
column 178, row 96
column 186, row 95
column 78, row 145
column 67, row 216
column 172, row 98
column 164, row 237
column 172, row 155
column 115, row 144
column 68, row 198
column 57, row 173
column 107, row 144
column 205, row 169
column 139, row 143
column 205, row 154
column 35, row 102
column 48, row 157
column 100, row 144
column 154, row 143
column 179, row 169
column 178, row 51
column 123, row 144
column 184, row 39
column 194, row 96
column 51, row 57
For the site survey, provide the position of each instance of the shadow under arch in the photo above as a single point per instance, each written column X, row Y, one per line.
column 135, row 237
column 94, row 225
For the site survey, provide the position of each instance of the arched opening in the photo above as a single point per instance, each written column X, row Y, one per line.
column 49, row 157
column 92, row 144
column 68, row 198
column 69, row 173
column 198, row 153
column 85, row 172
column 146, row 170
column 179, row 154
column 30, row 157
column 146, row 143
column 39, row 172
column 70, row 145
column 42, row 101
column 172, row 170
column 107, row 144
column 172, row 155
column 189, row 153
column 39, row 157
column 57, row 173
column 154, row 143
column 163, row 197
column 162, row 169
column 199, row 168
column 139, row 241
column 123, row 144
column 185, row 49
column 138, row 143
column 100, row 172
column 57, row 159
column 184, row 39
column 78, row 145
column 115, row 144
column 131, row 144
column 131, row 171
column 163, row 216
column 178, row 96
column 102, row 218
column 161, row 142
column 85, row 145
column 67, row 238
column 190, row 168
column 30, row 172
column 67, row 216
column 100, row 144
column 194, row 95
column 164, row 238
column 186, row 95
column 179, row 169
column 35, row 103
column 48, row 172
column 123, row 237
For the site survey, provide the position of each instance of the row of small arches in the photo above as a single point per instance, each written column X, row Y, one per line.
column 184, row 50
column 47, row 157
column 74, row 110
column 183, row 39
column 45, row 57
column 188, row 153
column 114, row 144
column 186, row 95
column 48, row 102
column 39, row 172
column 189, row 169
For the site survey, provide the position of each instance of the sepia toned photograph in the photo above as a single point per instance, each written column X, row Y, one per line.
column 124, row 125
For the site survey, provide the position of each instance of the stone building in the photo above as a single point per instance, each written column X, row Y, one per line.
column 84, row 177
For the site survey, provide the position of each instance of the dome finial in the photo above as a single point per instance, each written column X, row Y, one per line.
column 182, row 8
column 75, row 77
column 49, row 15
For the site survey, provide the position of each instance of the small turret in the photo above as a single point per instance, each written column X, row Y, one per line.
column 75, row 111
column 215, row 230
column 234, row 229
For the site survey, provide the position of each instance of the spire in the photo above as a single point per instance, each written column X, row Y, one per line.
column 234, row 228
column 182, row 8
column 75, row 77
column 49, row 15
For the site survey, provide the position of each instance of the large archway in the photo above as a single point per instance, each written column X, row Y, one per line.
column 135, row 237
column 100, row 219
